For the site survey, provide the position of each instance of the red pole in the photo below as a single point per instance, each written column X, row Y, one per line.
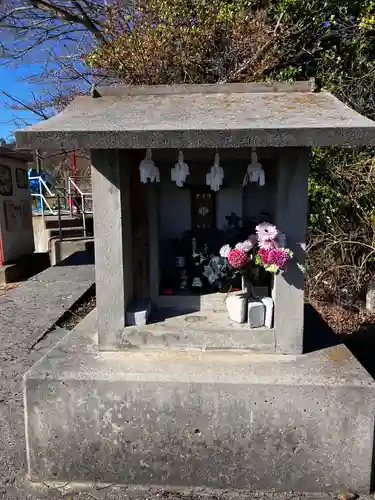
column 1, row 249
column 74, row 167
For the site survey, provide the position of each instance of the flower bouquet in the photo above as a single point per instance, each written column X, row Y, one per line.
column 272, row 253
column 266, row 249
column 240, row 258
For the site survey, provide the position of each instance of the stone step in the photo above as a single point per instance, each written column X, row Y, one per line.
column 62, row 249
column 67, row 232
column 53, row 222
column 197, row 330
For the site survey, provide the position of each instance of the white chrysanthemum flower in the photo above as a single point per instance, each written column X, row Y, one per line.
column 224, row 251
column 246, row 246
column 266, row 231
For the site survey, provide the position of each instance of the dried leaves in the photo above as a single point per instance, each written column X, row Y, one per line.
column 341, row 251
column 167, row 41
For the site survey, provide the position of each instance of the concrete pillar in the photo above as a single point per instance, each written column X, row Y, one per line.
column 113, row 243
column 291, row 218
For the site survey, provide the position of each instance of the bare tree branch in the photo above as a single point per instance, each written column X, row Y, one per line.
column 53, row 34
column 41, row 21
column 67, row 15
column 25, row 106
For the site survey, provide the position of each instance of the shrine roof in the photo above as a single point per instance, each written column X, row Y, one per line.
column 197, row 116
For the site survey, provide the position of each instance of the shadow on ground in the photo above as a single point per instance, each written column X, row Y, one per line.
column 81, row 258
column 318, row 335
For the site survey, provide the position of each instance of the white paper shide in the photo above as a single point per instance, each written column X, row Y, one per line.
column 180, row 171
column 148, row 170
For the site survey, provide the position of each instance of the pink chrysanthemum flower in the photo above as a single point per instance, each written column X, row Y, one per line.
column 237, row 258
column 264, row 253
column 266, row 232
column 279, row 257
column 246, row 246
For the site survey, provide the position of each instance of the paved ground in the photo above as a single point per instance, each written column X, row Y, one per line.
column 27, row 312
column 26, row 316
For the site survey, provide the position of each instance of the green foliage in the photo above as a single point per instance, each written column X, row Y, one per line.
column 342, row 192
column 218, row 272
column 336, row 46
column 258, row 260
column 368, row 18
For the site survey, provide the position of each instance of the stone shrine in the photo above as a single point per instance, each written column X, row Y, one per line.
column 159, row 387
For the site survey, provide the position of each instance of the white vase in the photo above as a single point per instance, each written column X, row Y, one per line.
column 236, row 304
column 256, row 313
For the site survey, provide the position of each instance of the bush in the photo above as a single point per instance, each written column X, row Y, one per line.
column 190, row 41
column 208, row 41
column 341, row 251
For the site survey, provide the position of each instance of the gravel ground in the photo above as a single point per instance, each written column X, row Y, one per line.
column 9, row 286
column 81, row 309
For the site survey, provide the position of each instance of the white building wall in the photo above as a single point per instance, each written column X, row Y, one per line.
column 16, row 229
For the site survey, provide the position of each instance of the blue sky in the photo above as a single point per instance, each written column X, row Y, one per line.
column 10, row 81
column 52, row 56
column 14, row 79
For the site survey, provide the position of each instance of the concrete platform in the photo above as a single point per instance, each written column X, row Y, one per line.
column 215, row 419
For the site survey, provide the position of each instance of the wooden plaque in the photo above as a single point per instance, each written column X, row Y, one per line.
column 202, row 209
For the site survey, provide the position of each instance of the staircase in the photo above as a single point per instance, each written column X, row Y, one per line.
column 61, row 235
column 62, row 219
column 69, row 226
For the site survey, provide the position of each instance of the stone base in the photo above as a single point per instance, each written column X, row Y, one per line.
column 202, row 322
column 207, row 419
